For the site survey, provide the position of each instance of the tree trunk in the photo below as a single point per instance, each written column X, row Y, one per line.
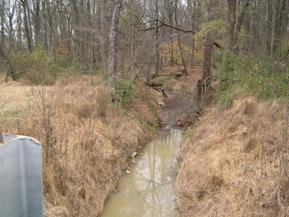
column 102, row 35
column 19, row 25
column 45, row 26
column 2, row 14
column 269, row 27
column 170, row 17
column 132, row 48
column 10, row 71
column 76, row 29
column 208, row 49
column 29, row 11
column 26, row 25
column 50, row 25
column 279, row 23
column 232, row 8
column 240, row 20
column 193, row 17
column 157, row 43
column 112, row 57
column 179, row 40
column 11, row 26
column 36, row 21
column 193, row 51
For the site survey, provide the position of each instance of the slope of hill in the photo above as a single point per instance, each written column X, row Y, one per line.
column 235, row 161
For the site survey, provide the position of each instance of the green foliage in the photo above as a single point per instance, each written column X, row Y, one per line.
column 41, row 67
column 225, row 72
column 253, row 76
column 125, row 91
column 215, row 28
column 152, row 128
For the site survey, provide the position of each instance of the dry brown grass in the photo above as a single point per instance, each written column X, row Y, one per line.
column 87, row 141
column 13, row 95
column 236, row 163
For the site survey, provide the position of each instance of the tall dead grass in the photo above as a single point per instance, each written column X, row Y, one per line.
column 236, row 162
column 87, row 141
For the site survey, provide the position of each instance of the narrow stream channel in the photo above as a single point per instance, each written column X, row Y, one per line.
column 148, row 190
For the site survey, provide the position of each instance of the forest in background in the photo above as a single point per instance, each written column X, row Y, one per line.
column 88, row 78
column 43, row 40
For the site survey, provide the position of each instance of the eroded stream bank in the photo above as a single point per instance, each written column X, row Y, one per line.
column 148, row 189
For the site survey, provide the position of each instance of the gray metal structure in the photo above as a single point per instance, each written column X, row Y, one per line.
column 20, row 177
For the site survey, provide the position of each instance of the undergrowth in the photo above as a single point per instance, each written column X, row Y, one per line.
column 251, row 76
column 41, row 67
column 87, row 139
column 125, row 91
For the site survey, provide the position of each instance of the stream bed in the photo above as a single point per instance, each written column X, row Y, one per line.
column 148, row 188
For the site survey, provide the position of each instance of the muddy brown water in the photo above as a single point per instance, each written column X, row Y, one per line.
column 148, row 188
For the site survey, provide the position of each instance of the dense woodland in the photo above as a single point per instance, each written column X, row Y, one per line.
column 128, row 36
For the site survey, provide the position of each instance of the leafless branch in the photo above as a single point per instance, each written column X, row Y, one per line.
column 163, row 24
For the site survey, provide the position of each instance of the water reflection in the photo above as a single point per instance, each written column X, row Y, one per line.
column 148, row 191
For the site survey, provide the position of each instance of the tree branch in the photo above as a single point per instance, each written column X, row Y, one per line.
column 162, row 23
column 176, row 28
column 169, row 26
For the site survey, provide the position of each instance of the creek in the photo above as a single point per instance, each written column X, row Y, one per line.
column 148, row 188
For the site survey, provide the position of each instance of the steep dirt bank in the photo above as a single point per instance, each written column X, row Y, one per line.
column 235, row 162
column 87, row 140
column 179, row 107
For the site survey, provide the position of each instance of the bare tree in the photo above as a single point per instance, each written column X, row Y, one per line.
column 10, row 71
column 2, row 19
column 232, row 10
column 88, row 29
column 157, row 37
column 269, row 26
column 36, row 21
column 26, row 24
column 207, row 62
column 179, row 40
column 245, row 7
column 112, row 57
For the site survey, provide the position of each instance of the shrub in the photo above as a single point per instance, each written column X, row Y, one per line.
column 125, row 91
column 225, row 72
column 41, row 67
column 216, row 28
column 103, row 101
column 251, row 76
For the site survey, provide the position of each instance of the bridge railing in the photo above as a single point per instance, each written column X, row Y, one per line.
column 21, row 187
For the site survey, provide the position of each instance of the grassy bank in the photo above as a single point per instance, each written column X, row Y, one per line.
column 88, row 134
column 234, row 161
column 261, row 77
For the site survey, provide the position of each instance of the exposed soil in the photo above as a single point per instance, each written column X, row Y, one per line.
column 179, row 108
